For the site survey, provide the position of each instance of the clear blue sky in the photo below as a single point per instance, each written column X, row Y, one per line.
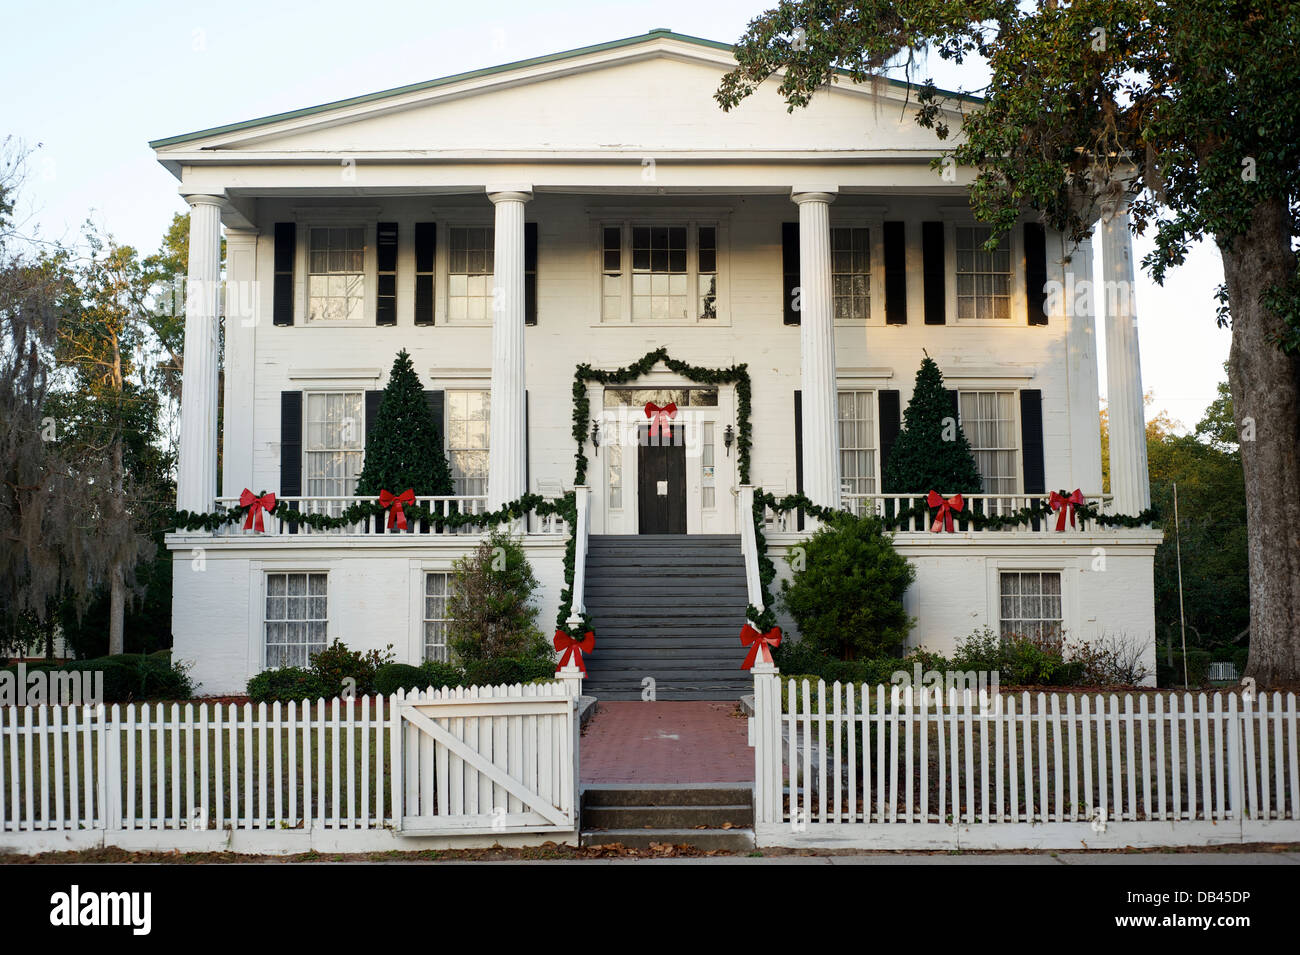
column 93, row 82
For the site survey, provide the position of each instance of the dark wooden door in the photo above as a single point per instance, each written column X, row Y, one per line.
column 661, row 483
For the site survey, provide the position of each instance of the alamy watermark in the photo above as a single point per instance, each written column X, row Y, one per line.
column 42, row 687
column 957, row 686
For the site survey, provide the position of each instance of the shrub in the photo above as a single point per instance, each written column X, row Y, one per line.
column 287, row 683
column 336, row 663
column 490, row 608
column 392, row 677
column 437, row 674
column 521, row 669
column 846, row 592
column 121, row 681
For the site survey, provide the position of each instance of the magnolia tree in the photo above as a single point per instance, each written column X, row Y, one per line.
column 1189, row 109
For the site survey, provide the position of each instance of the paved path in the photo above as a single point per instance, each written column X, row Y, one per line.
column 668, row 742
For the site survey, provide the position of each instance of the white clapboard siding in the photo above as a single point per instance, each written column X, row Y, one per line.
column 343, row 764
column 838, row 755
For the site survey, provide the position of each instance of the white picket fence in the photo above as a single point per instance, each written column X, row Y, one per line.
column 881, row 767
column 356, row 774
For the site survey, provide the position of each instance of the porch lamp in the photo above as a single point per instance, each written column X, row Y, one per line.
column 728, row 436
column 595, row 436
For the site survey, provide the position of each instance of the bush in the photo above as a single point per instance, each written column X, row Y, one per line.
column 490, row 608
column 437, row 674
column 287, row 683
column 846, row 593
column 511, row 670
column 336, row 663
column 392, row 677
column 800, row 658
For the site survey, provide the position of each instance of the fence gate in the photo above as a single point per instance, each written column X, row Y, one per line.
column 488, row 759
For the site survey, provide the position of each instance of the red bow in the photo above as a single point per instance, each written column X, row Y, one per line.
column 573, row 648
column 255, row 507
column 750, row 637
column 1062, row 503
column 946, row 506
column 396, row 516
column 659, row 418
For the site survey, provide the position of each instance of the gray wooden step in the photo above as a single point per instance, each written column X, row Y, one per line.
column 708, row 817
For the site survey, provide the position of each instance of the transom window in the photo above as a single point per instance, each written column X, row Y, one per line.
column 988, row 419
column 659, row 273
column 335, row 273
column 468, row 434
column 851, row 272
column 983, row 278
column 857, row 426
column 334, row 445
column 437, row 587
column 469, row 274
column 1031, row 605
column 296, row 619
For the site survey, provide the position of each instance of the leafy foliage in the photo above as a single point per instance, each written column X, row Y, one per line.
column 931, row 452
column 490, row 609
column 846, row 589
column 405, row 448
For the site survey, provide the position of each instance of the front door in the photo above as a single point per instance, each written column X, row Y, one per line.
column 661, row 482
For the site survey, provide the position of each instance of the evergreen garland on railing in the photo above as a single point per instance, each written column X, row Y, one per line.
column 737, row 375
column 902, row 520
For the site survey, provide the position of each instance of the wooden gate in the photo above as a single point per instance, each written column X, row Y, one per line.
column 489, row 759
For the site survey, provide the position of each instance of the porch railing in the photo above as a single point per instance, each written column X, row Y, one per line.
column 889, row 506
column 440, row 507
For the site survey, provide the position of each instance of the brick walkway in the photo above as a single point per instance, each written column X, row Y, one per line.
column 667, row 742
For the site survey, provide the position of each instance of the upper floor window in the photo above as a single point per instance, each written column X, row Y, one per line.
column 988, row 419
column 334, row 443
column 983, row 277
column 656, row 273
column 851, row 272
column 468, row 432
column 469, row 273
column 336, row 273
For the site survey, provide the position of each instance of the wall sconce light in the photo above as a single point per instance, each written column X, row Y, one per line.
column 595, row 435
column 728, row 437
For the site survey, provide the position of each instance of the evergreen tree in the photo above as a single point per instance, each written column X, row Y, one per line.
column 931, row 452
column 404, row 448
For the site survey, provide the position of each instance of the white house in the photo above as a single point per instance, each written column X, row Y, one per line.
column 508, row 224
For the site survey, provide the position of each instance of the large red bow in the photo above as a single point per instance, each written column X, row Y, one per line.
column 757, row 642
column 659, row 418
column 393, row 504
column 255, row 507
column 573, row 648
column 1062, row 503
column 946, row 506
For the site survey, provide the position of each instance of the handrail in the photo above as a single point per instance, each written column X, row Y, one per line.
column 581, row 529
column 749, row 545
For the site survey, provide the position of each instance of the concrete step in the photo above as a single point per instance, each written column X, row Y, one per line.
column 708, row 816
column 708, row 840
column 667, row 693
column 666, row 794
column 668, row 817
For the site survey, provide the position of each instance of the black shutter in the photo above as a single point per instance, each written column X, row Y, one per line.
column 889, row 408
column 798, row 448
column 386, row 269
column 895, row 235
column 373, row 398
column 437, row 401
column 790, row 270
column 286, row 246
column 530, row 273
column 426, row 243
column 1031, row 440
column 1036, row 272
column 954, row 404
column 933, row 269
column 527, row 470
column 290, row 443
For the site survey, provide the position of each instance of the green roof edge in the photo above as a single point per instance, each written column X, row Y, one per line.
column 471, row 74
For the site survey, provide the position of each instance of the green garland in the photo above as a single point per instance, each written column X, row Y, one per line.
column 903, row 520
column 737, row 375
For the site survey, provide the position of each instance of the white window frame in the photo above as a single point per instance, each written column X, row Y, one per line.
column 693, row 220
column 1019, row 451
column 425, row 619
column 446, row 424
column 1016, row 302
column 365, row 219
column 262, row 579
column 855, row 388
column 1028, row 567
column 874, row 223
column 361, row 427
column 442, row 267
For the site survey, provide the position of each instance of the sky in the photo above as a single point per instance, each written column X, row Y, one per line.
column 91, row 83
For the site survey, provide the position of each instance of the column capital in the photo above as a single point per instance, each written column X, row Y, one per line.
column 204, row 199
column 814, row 193
column 510, row 192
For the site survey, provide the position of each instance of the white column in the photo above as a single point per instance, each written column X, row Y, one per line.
column 1129, row 480
column 821, row 459
column 1078, row 313
column 506, row 455
column 242, row 312
column 196, row 470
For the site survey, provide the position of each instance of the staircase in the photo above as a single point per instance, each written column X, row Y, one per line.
column 669, row 607
column 707, row 817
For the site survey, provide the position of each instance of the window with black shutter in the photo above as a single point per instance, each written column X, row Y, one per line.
column 386, row 269
column 426, row 236
column 790, row 271
column 286, row 246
